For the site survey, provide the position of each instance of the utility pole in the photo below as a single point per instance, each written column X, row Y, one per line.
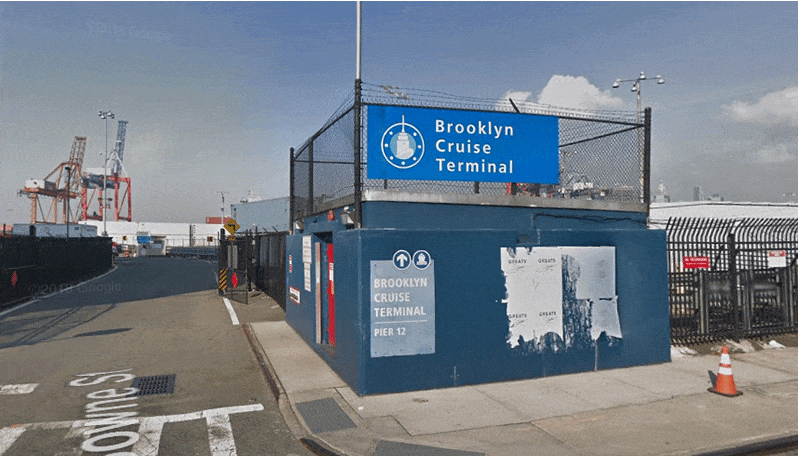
column 105, row 115
column 637, row 87
column 222, row 206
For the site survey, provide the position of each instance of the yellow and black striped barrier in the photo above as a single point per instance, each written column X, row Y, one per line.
column 222, row 280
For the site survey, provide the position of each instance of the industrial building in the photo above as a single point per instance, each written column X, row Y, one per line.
column 264, row 215
column 173, row 234
column 418, row 261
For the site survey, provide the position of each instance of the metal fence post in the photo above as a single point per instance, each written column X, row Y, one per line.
column 292, row 194
column 734, row 284
column 358, row 184
column 703, row 305
column 647, row 162
column 789, row 285
column 310, row 177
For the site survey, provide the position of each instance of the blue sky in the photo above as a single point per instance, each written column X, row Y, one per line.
column 216, row 93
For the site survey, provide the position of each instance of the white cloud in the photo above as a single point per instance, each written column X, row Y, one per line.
column 772, row 109
column 577, row 92
column 570, row 92
column 778, row 153
column 518, row 96
column 772, row 120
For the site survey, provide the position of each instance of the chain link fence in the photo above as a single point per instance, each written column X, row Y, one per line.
column 603, row 155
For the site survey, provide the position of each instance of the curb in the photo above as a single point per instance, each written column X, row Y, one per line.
column 763, row 447
column 289, row 415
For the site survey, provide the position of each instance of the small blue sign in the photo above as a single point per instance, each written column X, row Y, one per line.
column 401, row 259
column 452, row 145
column 421, row 259
column 144, row 239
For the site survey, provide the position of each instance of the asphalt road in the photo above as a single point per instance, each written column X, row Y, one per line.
column 68, row 361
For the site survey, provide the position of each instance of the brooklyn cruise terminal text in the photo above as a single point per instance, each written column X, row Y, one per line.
column 468, row 147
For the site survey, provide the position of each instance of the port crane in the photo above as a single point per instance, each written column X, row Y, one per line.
column 51, row 195
column 115, row 178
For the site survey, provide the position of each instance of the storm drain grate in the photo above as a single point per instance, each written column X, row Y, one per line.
column 324, row 415
column 154, row 384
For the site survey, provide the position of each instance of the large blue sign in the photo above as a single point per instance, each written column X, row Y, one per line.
column 450, row 145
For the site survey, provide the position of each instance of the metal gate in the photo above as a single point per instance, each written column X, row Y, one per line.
column 732, row 278
column 269, row 265
column 235, row 256
column 249, row 260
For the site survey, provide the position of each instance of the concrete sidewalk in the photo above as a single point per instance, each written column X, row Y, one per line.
column 662, row 409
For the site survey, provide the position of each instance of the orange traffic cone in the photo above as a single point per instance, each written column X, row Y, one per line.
column 724, row 384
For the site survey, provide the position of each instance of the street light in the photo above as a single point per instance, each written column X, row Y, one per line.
column 105, row 115
column 222, row 206
column 637, row 87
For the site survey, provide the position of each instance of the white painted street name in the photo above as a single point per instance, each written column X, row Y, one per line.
column 220, row 434
column 113, row 408
column 7, row 390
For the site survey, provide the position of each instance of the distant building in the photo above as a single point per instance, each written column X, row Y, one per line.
column 698, row 194
column 265, row 215
column 172, row 234
column 55, row 230
column 661, row 212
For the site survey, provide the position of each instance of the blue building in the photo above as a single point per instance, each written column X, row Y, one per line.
column 439, row 247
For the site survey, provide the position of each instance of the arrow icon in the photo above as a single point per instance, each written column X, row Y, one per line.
column 401, row 259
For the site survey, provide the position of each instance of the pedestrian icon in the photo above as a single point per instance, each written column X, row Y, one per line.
column 421, row 259
column 401, row 259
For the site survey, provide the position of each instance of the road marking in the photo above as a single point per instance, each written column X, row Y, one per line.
column 220, row 433
column 231, row 311
column 7, row 390
column 8, row 436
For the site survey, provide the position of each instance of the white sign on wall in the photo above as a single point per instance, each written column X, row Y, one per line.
column 777, row 258
column 307, row 249
column 403, row 305
column 307, row 277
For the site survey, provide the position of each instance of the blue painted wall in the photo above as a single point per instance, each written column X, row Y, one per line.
column 471, row 321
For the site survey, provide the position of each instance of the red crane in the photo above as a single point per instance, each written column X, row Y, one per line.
column 57, row 188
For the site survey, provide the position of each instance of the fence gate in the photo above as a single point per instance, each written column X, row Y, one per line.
column 269, row 265
column 732, row 278
column 235, row 256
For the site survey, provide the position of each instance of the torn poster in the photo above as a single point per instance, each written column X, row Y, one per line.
column 566, row 291
column 534, row 292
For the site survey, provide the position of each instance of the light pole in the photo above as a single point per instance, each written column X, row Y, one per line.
column 105, row 115
column 222, row 206
column 637, row 87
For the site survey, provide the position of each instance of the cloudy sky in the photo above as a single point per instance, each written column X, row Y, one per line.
column 216, row 93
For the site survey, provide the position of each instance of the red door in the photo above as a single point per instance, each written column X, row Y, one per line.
column 330, row 295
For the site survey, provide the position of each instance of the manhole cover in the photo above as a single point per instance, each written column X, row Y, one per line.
column 154, row 384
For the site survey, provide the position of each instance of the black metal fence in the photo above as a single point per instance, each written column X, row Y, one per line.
column 732, row 278
column 603, row 155
column 257, row 260
column 32, row 266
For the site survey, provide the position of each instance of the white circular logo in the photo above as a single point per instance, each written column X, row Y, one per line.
column 402, row 145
